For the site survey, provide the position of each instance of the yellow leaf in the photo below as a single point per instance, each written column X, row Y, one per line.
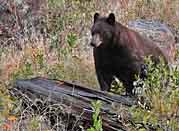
column 12, row 118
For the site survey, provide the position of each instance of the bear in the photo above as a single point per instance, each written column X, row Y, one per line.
column 119, row 52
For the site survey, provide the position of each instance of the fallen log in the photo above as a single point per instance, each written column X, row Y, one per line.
column 75, row 96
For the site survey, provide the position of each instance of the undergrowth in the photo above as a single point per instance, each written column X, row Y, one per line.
column 157, row 99
column 96, row 118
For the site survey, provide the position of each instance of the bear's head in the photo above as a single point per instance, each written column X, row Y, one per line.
column 103, row 30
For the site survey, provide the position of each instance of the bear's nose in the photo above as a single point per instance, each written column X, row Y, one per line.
column 92, row 44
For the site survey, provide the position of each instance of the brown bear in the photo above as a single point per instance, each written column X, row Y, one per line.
column 119, row 52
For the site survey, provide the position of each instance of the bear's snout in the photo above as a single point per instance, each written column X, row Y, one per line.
column 96, row 40
column 92, row 44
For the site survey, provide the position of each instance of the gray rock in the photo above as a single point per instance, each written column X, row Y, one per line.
column 158, row 32
column 154, row 30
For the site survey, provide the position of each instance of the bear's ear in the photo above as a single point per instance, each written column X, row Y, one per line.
column 111, row 19
column 96, row 16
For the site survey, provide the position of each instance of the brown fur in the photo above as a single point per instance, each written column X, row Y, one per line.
column 121, row 52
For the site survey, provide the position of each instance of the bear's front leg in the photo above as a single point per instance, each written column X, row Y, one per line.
column 105, row 80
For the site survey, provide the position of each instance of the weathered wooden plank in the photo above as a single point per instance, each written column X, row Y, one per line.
column 79, row 98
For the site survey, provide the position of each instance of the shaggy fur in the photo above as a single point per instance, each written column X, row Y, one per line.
column 119, row 52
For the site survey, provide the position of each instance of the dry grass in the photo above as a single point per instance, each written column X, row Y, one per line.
column 72, row 68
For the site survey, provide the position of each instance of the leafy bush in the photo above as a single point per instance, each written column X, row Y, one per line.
column 97, row 121
column 158, row 99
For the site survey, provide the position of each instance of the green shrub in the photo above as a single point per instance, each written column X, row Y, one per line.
column 25, row 71
column 97, row 121
column 158, row 99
